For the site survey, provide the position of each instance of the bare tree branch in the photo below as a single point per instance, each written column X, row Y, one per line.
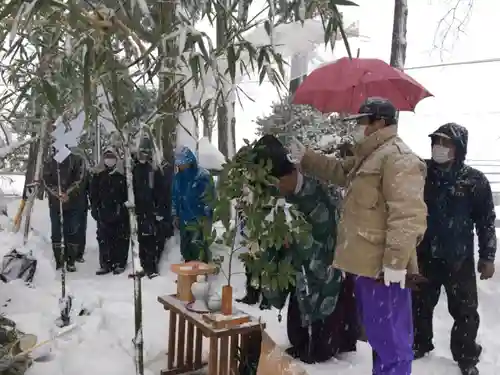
column 452, row 24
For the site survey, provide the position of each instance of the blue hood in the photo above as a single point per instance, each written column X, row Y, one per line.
column 185, row 156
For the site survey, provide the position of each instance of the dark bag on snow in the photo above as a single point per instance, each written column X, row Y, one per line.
column 17, row 265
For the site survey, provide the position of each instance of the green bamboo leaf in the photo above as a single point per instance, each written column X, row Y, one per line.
column 342, row 30
column 231, row 63
column 279, row 61
column 267, row 27
column 10, row 9
column 22, row 95
column 51, row 95
column 343, row 2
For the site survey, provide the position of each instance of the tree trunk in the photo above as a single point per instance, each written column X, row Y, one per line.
column 296, row 65
column 398, row 48
column 167, row 103
column 225, row 130
column 30, row 168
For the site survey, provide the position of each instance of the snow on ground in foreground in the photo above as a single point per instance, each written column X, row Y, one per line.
column 102, row 345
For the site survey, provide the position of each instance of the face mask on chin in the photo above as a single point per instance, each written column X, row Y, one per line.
column 359, row 133
column 440, row 154
column 110, row 162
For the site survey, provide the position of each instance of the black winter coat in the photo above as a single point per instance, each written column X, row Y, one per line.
column 458, row 199
column 72, row 174
column 164, row 193
column 108, row 194
column 148, row 190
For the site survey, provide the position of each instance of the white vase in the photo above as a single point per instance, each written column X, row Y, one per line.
column 200, row 293
column 214, row 302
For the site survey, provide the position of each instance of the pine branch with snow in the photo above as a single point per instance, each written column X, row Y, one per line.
column 315, row 130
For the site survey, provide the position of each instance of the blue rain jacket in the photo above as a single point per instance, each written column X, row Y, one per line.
column 192, row 190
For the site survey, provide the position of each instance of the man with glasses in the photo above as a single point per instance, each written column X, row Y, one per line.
column 382, row 221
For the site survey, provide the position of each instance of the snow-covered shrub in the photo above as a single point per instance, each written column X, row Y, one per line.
column 314, row 129
column 268, row 222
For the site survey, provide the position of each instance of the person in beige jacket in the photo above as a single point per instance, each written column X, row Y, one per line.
column 382, row 221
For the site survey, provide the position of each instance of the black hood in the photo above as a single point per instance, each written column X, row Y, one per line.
column 458, row 134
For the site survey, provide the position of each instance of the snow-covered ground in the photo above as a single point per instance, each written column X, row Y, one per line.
column 101, row 344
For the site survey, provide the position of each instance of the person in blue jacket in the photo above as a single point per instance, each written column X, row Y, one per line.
column 192, row 212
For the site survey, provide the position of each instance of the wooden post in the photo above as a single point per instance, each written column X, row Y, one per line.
column 197, row 348
column 171, row 340
column 180, row 342
column 213, row 356
column 190, row 346
column 233, row 356
column 223, row 355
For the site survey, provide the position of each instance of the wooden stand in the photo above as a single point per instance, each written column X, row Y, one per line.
column 186, row 276
column 185, row 339
column 220, row 321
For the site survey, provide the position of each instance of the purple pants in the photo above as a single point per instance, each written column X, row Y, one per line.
column 386, row 315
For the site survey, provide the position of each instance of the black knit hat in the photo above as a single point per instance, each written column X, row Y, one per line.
column 269, row 148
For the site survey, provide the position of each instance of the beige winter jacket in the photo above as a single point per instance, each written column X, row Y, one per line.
column 383, row 215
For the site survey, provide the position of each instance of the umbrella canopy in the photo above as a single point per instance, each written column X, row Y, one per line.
column 345, row 84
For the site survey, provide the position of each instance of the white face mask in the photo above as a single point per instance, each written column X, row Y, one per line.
column 109, row 162
column 359, row 134
column 440, row 154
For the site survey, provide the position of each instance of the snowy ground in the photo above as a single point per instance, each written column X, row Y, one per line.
column 101, row 345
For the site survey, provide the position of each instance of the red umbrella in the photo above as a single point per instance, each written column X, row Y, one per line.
column 343, row 86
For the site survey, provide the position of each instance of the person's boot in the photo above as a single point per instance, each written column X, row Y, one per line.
column 56, row 249
column 79, row 254
column 469, row 370
column 251, row 297
column 80, row 259
column 420, row 351
column 252, row 294
column 103, row 271
column 71, row 252
column 70, row 268
column 118, row 269
column 264, row 304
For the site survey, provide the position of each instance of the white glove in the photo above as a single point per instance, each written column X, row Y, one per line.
column 297, row 150
column 394, row 276
column 159, row 218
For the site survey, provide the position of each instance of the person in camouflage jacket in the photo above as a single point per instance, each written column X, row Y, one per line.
column 321, row 303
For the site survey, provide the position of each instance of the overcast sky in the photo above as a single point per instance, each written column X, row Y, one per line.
column 465, row 94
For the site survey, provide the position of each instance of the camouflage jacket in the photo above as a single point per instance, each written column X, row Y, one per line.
column 317, row 283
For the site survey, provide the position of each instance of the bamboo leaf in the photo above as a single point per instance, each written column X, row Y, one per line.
column 343, row 2
column 231, row 63
column 342, row 31
column 51, row 95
